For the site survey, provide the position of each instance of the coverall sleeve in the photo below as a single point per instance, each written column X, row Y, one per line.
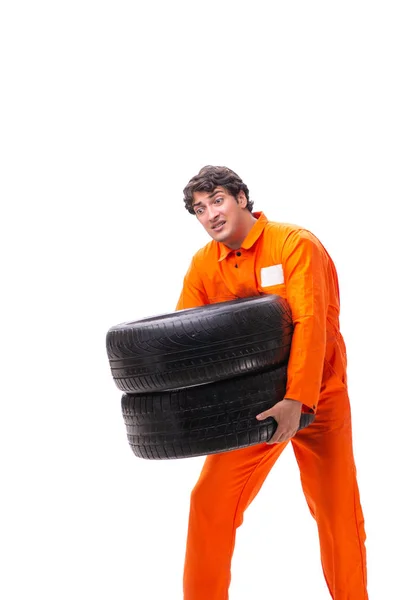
column 305, row 271
column 193, row 293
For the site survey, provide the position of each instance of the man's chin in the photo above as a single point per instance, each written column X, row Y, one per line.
column 219, row 236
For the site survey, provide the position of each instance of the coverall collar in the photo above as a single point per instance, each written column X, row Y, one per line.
column 250, row 239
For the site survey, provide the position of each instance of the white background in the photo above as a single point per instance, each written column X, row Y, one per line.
column 107, row 110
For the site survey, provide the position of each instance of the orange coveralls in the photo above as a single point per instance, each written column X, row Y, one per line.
column 283, row 259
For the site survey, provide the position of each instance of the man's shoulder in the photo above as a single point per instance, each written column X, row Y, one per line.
column 283, row 227
column 286, row 230
column 206, row 254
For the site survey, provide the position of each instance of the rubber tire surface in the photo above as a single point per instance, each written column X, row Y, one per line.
column 207, row 419
column 200, row 345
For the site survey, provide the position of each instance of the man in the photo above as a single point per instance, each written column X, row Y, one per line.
column 249, row 256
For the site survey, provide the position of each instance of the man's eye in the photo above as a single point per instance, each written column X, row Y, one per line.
column 199, row 211
column 218, row 199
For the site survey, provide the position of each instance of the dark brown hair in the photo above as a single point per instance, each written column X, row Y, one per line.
column 208, row 178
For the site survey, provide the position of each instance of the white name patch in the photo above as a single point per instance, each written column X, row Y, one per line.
column 272, row 275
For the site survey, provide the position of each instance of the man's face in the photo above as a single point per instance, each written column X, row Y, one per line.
column 222, row 216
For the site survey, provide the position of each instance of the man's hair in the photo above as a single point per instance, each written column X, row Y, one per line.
column 209, row 178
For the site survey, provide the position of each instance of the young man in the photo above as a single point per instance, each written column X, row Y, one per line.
column 249, row 256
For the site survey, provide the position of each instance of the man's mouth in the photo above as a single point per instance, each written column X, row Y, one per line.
column 218, row 226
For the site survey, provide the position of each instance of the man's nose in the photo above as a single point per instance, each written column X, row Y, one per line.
column 212, row 212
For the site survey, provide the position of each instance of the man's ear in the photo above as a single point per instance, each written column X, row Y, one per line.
column 242, row 199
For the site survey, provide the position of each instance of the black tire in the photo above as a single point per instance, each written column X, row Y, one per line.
column 200, row 345
column 207, row 419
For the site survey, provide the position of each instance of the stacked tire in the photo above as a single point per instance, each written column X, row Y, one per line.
column 194, row 380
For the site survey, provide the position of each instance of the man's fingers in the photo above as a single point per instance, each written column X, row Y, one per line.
column 286, row 414
column 280, row 437
column 265, row 415
column 276, row 438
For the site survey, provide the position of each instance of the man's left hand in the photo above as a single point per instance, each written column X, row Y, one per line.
column 287, row 413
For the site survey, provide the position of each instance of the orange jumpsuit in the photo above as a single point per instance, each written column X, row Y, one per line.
column 283, row 259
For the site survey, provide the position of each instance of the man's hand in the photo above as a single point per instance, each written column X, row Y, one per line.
column 287, row 414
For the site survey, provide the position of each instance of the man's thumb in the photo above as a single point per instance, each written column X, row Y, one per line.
column 266, row 414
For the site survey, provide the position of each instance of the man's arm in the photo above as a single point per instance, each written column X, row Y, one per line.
column 305, row 266
column 193, row 293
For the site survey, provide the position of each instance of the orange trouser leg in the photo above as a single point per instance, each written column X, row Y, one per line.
column 325, row 456
column 228, row 482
